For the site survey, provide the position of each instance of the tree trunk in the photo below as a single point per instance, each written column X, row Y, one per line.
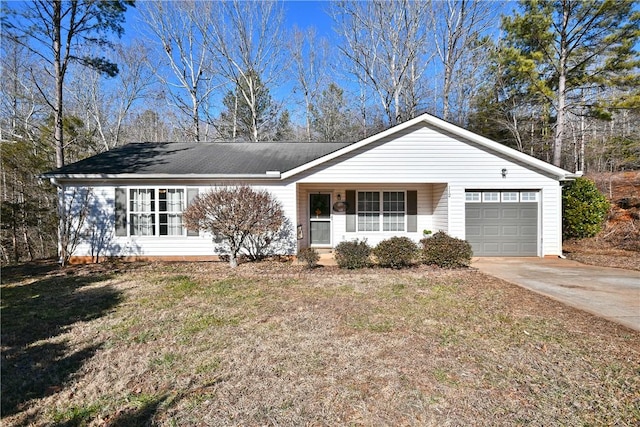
column 57, row 41
column 562, row 96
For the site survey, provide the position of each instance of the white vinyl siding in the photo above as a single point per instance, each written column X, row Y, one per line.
column 100, row 239
column 423, row 154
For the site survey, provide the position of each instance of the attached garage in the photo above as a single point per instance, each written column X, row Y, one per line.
column 502, row 223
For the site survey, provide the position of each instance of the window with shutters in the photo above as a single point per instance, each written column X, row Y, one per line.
column 152, row 211
column 390, row 213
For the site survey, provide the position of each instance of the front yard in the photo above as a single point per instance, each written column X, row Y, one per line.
column 273, row 344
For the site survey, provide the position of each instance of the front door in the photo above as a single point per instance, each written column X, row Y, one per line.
column 320, row 219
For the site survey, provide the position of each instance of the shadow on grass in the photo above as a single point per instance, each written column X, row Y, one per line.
column 35, row 312
column 141, row 415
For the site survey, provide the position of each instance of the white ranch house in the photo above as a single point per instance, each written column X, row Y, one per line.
column 424, row 174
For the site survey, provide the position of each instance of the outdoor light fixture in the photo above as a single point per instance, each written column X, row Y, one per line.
column 339, row 197
column 504, row 172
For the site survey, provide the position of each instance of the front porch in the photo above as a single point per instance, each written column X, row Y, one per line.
column 330, row 213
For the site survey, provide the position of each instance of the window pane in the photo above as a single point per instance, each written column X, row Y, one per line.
column 142, row 224
column 142, row 200
column 491, row 197
column 368, row 221
column 171, row 225
column 472, row 196
column 510, row 196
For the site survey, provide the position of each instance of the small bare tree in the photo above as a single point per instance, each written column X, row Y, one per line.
column 235, row 215
column 74, row 209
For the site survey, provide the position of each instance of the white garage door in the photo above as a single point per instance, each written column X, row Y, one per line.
column 502, row 223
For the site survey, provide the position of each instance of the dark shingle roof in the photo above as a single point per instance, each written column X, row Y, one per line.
column 204, row 158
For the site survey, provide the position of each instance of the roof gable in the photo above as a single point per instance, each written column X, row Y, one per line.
column 445, row 127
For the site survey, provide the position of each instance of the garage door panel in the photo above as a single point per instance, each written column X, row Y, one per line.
column 474, row 231
column 530, row 212
column 510, row 247
column 490, row 231
column 510, row 213
column 510, row 231
column 474, row 213
column 502, row 229
column 491, row 213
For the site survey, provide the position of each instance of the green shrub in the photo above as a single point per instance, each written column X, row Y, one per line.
column 310, row 256
column 352, row 254
column 584, row 209
column 446, row 251
column 396, row 252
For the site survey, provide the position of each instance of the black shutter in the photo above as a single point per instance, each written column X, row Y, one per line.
column 350, row 195
column 121, row 211
column 192, row 193
column 412, row 211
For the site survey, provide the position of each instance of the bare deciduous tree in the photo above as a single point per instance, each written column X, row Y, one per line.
column 459, row 25
column 178, row 27
column 385, row 42
column 309, row 63
column 108, row 108
column 74, row 210
column 239, row 216
column 247, row 40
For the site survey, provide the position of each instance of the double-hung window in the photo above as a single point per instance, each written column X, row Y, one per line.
column 151, row 211
column 390, row 213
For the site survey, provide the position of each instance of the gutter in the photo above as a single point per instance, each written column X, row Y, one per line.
column 53, row 177
column 572, row 176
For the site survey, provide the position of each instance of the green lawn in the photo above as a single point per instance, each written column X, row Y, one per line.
column 274, row 344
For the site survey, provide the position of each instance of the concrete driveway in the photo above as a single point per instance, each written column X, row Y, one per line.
column 611, row 293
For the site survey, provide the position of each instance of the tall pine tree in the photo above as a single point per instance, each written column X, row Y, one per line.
column 570, row 52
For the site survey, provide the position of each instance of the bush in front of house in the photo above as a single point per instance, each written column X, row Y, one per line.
column 445, row 251
column 309, row 256
column 396, row 252
column 352, row 254
column 584, row 209
column 239, row 217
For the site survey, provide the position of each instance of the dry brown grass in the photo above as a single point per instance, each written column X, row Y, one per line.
column 274, row 344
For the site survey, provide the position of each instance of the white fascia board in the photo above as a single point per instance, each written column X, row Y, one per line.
column 446, row 126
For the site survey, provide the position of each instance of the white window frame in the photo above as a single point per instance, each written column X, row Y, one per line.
column 507, row 196
column 155, row 213
column 491, row 197
column 394, row 213
column 380, row 213
column 529, row 196
column 473, row 196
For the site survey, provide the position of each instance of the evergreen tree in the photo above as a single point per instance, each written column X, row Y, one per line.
column 284, row 131
column 250, row 111
column 330, row 115
column 568, row 52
